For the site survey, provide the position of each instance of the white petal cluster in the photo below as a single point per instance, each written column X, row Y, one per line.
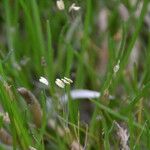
column 62, row 82
column 44, row 81
column 65, row 81
column 68, row 80
column 60, row 4
column 74, row 7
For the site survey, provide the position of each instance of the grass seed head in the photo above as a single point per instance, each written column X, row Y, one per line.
column 117, row 67
column 60, row 83
column 35, row 107
column 74, row 7
column 44, row 81
column 60, row 4
column 65, row 81
column 68, row 80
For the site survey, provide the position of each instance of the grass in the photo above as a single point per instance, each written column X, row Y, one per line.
column 38, row 39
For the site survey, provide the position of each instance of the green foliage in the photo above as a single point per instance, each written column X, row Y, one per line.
column 41, row 40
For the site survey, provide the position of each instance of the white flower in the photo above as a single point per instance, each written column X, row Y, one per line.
column 60, row 83
column 117, row 67
column 68, row 80
column 60, row 4
column 44, row 81
column 74, row 7
column 32, row 148
column 65, row 81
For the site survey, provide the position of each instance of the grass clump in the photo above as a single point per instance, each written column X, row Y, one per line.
column 74, row 75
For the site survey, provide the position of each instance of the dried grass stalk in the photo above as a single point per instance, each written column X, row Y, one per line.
column 123, row 137
column 34, row 105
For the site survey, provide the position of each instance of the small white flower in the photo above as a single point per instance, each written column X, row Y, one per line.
column 117, row 67
column 32, row 148
column 60, row 4
column 68, row 80
column 74, row 7
column 44, row 81
column 65, row 81
column 60, row 83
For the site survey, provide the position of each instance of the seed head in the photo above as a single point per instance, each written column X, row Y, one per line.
column 65, row 81
column 68, row 80
column 44, row 81
column 117, row 67
column 74, row 7
column 60, row 83
column 60, row 4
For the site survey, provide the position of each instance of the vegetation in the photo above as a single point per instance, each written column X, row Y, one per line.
column 102, row 46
